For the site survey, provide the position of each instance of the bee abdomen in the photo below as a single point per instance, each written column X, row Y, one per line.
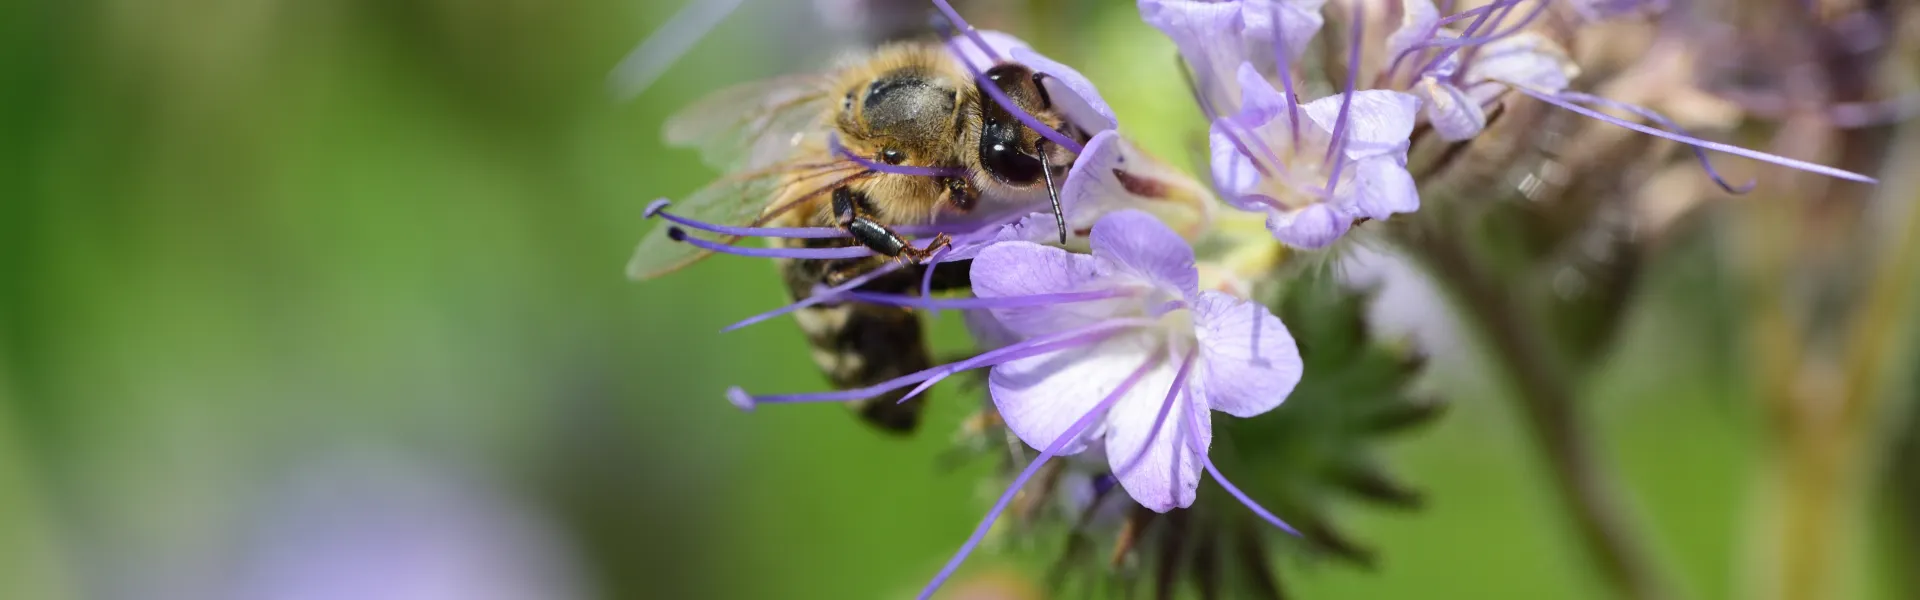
column 861, row 345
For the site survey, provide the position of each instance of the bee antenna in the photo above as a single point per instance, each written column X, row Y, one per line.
column 1053, row 194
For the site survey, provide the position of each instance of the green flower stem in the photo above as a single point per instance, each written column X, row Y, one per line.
column 1545, row 396
column 1825, row 412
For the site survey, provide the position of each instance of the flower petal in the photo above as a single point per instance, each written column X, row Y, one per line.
column 1233, row 171
column 1300, row 20
column 1248, row 360
column 1419, row 22
column 1002, row 43
column 1380, row 121
column 1042, row 396
column 1209, row 37
column 1310, row 228
column 1113, row 174
column 1071, row 92
column 1141, row 246
column 1010, row 269
column 1526, row 59
column 1454, row 115
column 1035, row 227
column 1157, row 464
column 1382, row 187
column 1260, row 102
column 988, row 332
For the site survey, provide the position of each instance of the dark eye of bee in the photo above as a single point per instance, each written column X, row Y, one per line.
column 1009, row 165
column 893, row 157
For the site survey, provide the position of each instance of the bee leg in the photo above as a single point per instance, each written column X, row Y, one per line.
column 848, row 211
column 960, row 194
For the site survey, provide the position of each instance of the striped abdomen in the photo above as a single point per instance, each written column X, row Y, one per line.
column 858, row 345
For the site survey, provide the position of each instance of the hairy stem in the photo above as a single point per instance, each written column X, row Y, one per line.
column 1544, row 395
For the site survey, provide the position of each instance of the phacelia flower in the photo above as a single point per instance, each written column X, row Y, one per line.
column 1316, row 168
column 1455, row 95
column 1120, row 348
column 1215, row 38
column 1174, row 353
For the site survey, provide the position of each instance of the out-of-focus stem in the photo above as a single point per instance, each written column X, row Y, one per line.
column 1824, row 411
column 1545, row 396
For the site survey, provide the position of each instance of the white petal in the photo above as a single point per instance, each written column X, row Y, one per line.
column 1249, row 362
column 1041, row 397
column 1148, row 442
column 1378, row 121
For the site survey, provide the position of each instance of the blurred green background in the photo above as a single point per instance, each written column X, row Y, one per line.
column 270, row 269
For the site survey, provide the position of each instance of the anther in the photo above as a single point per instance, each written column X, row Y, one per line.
column 653, row 209
column 740, row 398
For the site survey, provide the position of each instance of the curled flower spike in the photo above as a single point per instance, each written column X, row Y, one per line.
column 1311, row 190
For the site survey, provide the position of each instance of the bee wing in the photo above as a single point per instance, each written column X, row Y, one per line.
column 747, row 199
column 754, row 125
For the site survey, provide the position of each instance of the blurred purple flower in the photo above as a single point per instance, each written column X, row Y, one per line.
column 1310, row 177
column 377, row 528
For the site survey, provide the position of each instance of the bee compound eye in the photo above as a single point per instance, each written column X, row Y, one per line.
column 1010, row 165
column 893, row 157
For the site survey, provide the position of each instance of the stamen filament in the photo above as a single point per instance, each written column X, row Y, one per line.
column 1000, row 356
column 1166, row 408
column 1802, row 165
column 926, row 277
column 953, row 16
column 1001, row 98
column 1539, row 8
column 1656, row 117
column 1282, row 60
column 1032, row 347
column 1339, row 143
column 819, row 296
column 1193, row 443
column 1073, row 432
column 833, row 143
column 1441, row 56
column 680, row 235
column 988, row 303
column 658, row 208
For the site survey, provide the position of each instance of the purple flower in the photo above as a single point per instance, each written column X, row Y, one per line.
column 1215, row 38
column 1149, row 385
column 1310, row 176
column 1120, row 347
column 1455, row 96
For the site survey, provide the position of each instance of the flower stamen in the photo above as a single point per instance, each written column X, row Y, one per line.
column 1339, row 143
column 1033, row 347
column 989, row 303
column 833, row 143
column 1073, row 431
column 1193, row 440
column 1563, row 102
column 820, row 295
column 680, row 235
column 658, row 209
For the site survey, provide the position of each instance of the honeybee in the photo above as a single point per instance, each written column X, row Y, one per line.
column 811, row 150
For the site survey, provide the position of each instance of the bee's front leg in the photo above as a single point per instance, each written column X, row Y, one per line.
column 849, row 211
column 960, row 194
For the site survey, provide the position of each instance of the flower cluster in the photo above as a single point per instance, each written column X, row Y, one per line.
column 1315, row 168
column 1119, row 344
